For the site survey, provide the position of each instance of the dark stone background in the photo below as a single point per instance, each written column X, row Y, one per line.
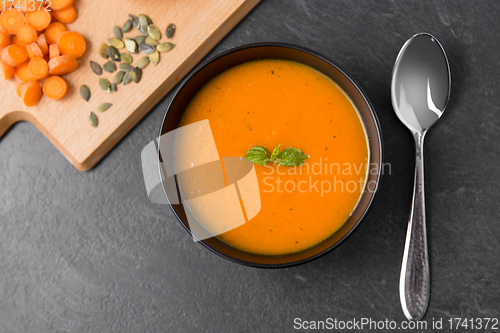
column 87, row 252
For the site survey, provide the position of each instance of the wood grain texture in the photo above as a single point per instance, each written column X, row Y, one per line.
column 201, row 24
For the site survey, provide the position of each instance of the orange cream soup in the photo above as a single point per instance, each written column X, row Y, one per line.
column 270, row 102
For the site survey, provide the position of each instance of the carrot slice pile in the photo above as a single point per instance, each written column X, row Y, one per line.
column 31, row 93
column 36, row 44
column 67, row 15
column 72, row 43
column 55, row 87
column 39, row 19
column 63, row 65
column 53, row 31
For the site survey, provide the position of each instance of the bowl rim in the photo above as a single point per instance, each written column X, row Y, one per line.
column 374, row 116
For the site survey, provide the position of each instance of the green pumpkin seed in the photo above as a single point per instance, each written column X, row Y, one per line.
column 127, row 78
column 96, row 68
column 140, row 40
column 135, row 20
column 93, row 120
column 113, row 53
column 124, row 67
column 130, row 45
column 154, row 57
column 170, row 30
column 117, row 31
column 127, row 26
column 143, row 62
column 151, row 41
column 104, row 84
column 146, row 48
column 118, row 77
column 103, row 50
column 143, row 31
column 144, row 21
column 126, row 58
column 109, row 67
column 154, row 32
column 103, row 107
column 116, row 43
column 137, row 75
column 165, row 47
column 85, row 92
column 112, row 87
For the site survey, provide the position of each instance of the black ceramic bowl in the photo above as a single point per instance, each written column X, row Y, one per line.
column 230, row 58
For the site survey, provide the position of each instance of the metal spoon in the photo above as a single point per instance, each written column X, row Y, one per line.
column 420, row 91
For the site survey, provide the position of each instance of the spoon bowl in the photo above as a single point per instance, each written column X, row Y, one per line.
column 420, row 91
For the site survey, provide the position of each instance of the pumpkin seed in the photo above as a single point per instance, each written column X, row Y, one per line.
column 104, row 84
column 170, row 30
column 127, row 78
column 113, row 53
column 116, row 43
column 127, row 26
column 126, row 58
column 144, row 21
column 85, row 92
column 151, row 41
column 143, row 62
column 118, row 77
column 103, row 107
column 146, row 48
column 135, row 20
column 124, row 67
column 137, row 75
column 165, row 47
column 109, row 67
column 140, row 40
column 154, row 32
column 130, row 45
column 154, row 57
column 117, row 31
column 103, row 50
column 143, row 31
column 112, row 87
column 93, row 120
column 96, row 68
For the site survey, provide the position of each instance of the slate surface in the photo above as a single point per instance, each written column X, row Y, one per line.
column 87, row 252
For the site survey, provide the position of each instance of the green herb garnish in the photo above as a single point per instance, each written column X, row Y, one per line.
column 287, row 157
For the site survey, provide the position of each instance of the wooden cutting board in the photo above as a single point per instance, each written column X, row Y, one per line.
column 201, row 24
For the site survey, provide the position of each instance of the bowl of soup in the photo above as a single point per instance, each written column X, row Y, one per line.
column 269, row 96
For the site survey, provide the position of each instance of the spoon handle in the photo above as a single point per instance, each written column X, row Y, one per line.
column 414, row 279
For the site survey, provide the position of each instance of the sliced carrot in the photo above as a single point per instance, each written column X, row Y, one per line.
column 63, row 65
column 23, row 73
column 60, row 4
column 67, row 15
column 39, row 19
column 42, row 42
column 31, row 93
column 11, row 21
column 53, row 51
column 53, row 31
column 4, row 39
column 72, row 43
column 55, row 87
column 34, row 51
column 19, row 89
column 27, row 34
column 39, row 68
column 14, row 55
column 7, row 70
